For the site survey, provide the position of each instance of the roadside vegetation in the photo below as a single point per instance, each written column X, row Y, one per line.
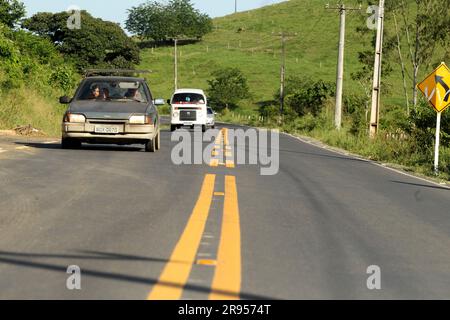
column 32, row 75
column 42, row 59
column 416, row 41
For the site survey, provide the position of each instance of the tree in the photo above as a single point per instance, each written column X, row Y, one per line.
column 425, row 27
column 176, row 19
column 11, row 11
column 97, row 44
column 149, row 21
column 228, row 87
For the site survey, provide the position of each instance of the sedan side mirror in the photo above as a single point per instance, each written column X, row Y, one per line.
column 159, row 102
column 168, row 101
column 65, row 100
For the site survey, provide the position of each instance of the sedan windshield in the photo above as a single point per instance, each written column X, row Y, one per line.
column 117, row 91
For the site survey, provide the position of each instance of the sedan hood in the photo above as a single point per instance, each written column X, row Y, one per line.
column 108, row 110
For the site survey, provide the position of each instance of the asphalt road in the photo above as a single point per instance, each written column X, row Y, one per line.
column 140, row 227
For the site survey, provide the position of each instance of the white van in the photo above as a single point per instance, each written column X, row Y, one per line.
column 188, row 109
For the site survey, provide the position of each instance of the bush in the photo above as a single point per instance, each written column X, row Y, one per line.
column 63, row 78
column 228, row 88
column 307, row 96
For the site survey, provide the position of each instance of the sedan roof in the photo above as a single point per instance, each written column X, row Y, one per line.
column 114, row 78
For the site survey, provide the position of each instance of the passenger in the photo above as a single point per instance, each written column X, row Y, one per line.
column 95, row 93
column 106, row 94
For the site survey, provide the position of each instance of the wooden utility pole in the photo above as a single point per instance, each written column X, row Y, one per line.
column 284, row 37
column 376, row 90
column 176, row 65
column 340, row 65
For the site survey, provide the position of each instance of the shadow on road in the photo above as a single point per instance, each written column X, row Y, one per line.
column 91, row 147
column 84, row 255
column 12, row 258
column 421, row 185
column 349, row 158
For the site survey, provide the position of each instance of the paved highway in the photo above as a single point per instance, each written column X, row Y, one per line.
column 140, row 227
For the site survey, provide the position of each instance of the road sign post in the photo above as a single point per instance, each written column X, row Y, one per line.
column 436, row 89
column 436, row 146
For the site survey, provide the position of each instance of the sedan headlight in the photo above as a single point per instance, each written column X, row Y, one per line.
column 75, row 118
column 140, row 120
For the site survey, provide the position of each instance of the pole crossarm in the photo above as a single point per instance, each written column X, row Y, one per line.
column 343, row 7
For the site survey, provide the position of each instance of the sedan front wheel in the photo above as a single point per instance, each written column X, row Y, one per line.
column 150, row 146
column 70, row 144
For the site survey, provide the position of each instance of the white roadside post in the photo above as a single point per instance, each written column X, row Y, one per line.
column 436, row 147
column 436, row 89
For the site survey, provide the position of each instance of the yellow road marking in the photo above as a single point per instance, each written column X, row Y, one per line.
column 230, row 164
column 207, row 262
column 225, row 136
column 222, row 143
column 226, row 284
column 219, row 194
column 176, row 272
column 214, row 163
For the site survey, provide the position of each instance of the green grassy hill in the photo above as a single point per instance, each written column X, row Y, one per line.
column 249, row 41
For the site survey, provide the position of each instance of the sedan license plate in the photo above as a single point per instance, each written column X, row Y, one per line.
column 106, row 130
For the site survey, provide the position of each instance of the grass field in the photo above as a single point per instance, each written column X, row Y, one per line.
column 249, row 41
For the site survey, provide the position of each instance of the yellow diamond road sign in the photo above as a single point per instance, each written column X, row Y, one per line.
column 436, row 88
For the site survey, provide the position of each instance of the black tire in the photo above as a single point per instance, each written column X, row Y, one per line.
column 203, row 128
column 150, row 146
column 173, row 128
column 70, row 144
column 213, row 127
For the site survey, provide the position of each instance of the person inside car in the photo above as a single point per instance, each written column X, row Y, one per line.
column 134, row 94
column 95, row 93
column 106, row 94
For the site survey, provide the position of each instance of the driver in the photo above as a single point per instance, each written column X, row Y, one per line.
column 133, row 94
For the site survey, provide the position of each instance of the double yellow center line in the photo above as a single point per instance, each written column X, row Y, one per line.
column 226, row 283
column 222, row 144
